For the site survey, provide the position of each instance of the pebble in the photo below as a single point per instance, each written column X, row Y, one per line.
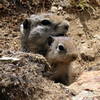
column 68, row 17
column 80, row 25
column 60, row 8
column 54, row 9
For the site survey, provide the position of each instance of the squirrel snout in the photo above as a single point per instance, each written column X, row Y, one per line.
column 62, row 27
column 65, row 25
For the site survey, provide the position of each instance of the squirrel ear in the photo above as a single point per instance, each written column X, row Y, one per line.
column 50, row 40
column 26, row 24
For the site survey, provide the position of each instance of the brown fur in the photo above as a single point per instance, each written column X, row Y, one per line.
column 61, row 54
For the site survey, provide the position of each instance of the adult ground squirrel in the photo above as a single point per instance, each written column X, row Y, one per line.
column 37, row 28
column 61, row 54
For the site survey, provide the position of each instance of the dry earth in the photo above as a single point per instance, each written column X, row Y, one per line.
column 84, row 29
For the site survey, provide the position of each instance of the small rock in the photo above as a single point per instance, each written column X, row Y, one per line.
column 83, row 41
column 1, row 50
column 87, row 57
column 80, row 25
column 60, row 8
column 1, row 25
column 1, row 6
column 96, row 2
column 94, row 68
column 97, row 36
column 80, row 34
column 54, row 9
column 68, row 17
column 88, row 95
column 65, row 3
column 9, row 59
column 14, row 35
column 87, row 87
column 55, row 4
column 87, row 52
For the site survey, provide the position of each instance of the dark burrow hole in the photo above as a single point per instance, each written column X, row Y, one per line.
column 61, row 79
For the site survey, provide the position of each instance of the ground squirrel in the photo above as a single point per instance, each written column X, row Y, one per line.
column 60, row 55
column 37, row 28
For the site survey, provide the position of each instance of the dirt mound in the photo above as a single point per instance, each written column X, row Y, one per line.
column 21, row 78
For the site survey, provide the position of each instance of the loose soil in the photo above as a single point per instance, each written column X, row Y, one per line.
column 84, row 29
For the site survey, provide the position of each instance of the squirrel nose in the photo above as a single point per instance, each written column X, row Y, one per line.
column 61, row 28
column 66, row 26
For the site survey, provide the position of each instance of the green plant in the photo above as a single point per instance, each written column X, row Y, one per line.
column 82, row 5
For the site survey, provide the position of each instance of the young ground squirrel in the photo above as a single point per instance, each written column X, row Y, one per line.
column 37, row 28
column 60, row 55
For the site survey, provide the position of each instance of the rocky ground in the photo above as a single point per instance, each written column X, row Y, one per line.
column 26, row 78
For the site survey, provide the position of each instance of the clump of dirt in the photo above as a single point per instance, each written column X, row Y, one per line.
column 21, row 78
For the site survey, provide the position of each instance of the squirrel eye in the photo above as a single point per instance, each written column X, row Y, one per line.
column 46, row 22
column 26, row 24
column 61, row 48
